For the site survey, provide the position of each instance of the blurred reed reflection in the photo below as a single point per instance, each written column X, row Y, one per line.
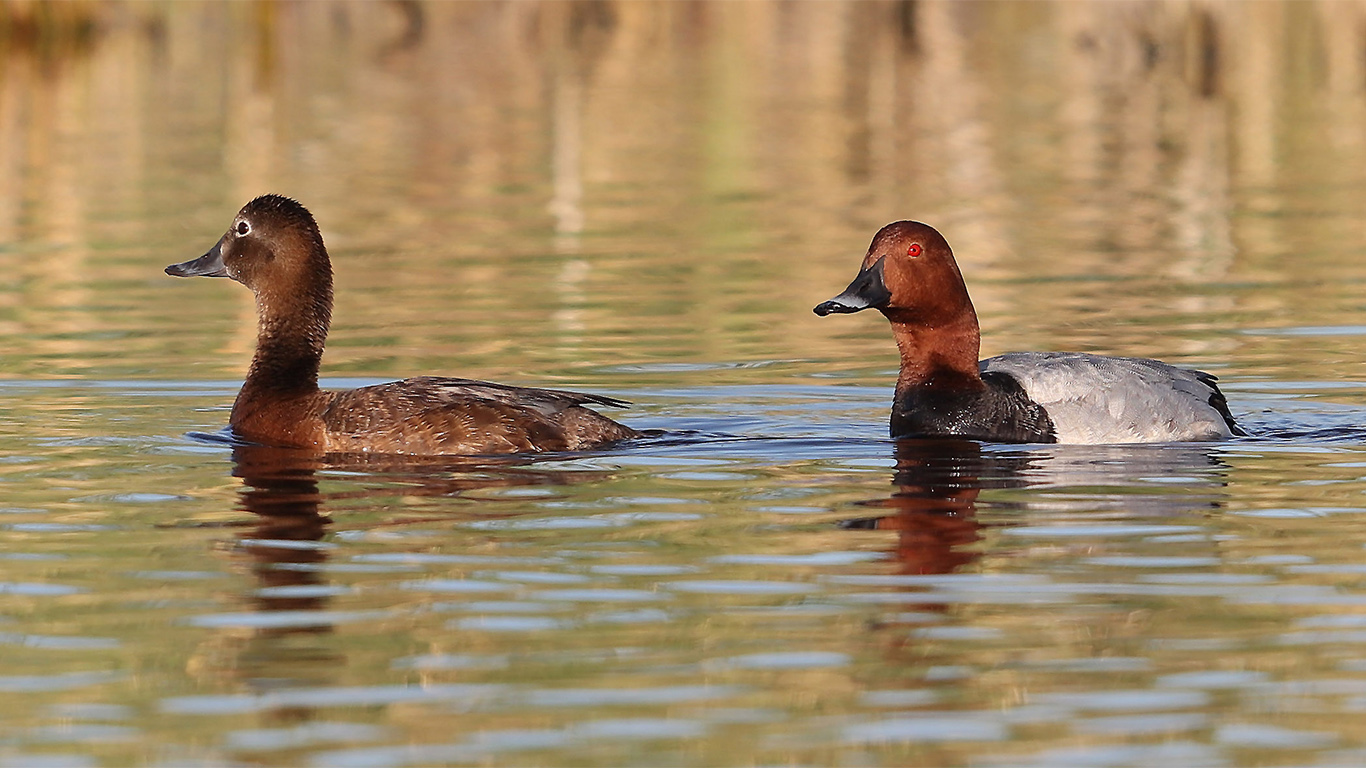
column 676, row 181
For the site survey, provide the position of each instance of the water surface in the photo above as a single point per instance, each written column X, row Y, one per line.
column 645, row 200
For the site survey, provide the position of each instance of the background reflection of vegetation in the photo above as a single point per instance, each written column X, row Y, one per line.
column 593, row 193
column 527, row 186
column 540, row 186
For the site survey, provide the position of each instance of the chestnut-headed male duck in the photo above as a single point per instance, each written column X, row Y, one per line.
column 909, row 275
column 274, row 248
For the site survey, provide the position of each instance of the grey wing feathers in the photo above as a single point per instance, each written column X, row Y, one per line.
column 1096, row 399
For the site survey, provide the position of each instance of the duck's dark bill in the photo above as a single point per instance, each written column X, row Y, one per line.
column 208, row 265
column 866, row 292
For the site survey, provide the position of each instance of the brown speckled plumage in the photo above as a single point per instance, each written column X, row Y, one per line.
column 274, row 248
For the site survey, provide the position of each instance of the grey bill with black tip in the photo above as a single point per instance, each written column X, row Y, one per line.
column 866, row 292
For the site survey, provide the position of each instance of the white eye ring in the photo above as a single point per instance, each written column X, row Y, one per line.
column 243, row 228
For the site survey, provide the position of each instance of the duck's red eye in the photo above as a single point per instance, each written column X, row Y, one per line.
column 914, row 250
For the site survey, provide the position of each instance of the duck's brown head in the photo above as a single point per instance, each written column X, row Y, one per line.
column 909, row 275
column 272, row 247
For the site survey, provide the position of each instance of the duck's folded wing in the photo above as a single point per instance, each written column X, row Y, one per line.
column 1096, row 399
column 545, row 400
column 432, row 414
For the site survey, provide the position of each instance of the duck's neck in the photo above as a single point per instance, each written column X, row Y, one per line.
column 937, row 354
column 289, row 344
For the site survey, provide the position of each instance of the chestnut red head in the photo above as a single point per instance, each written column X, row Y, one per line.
column 908, row 274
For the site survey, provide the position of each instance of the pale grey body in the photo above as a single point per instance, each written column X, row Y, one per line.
column 1097, row 400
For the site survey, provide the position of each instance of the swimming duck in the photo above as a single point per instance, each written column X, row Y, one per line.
column 274, row 248
column 909, row 275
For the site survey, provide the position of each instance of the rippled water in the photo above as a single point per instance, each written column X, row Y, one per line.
column 645, row 200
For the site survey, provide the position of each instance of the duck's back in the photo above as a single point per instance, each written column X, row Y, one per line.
column 1096, row 399
column 435, row 415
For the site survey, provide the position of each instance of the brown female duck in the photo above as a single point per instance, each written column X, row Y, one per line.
column 274, row 248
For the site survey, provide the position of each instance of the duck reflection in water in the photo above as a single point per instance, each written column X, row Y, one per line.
column 280, row 487
column 265, row 645
column 277, row 640
column 934, row 507
column 938, row 481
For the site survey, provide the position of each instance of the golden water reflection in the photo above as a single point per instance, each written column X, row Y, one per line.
column 646, row 199
column 541, row 188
